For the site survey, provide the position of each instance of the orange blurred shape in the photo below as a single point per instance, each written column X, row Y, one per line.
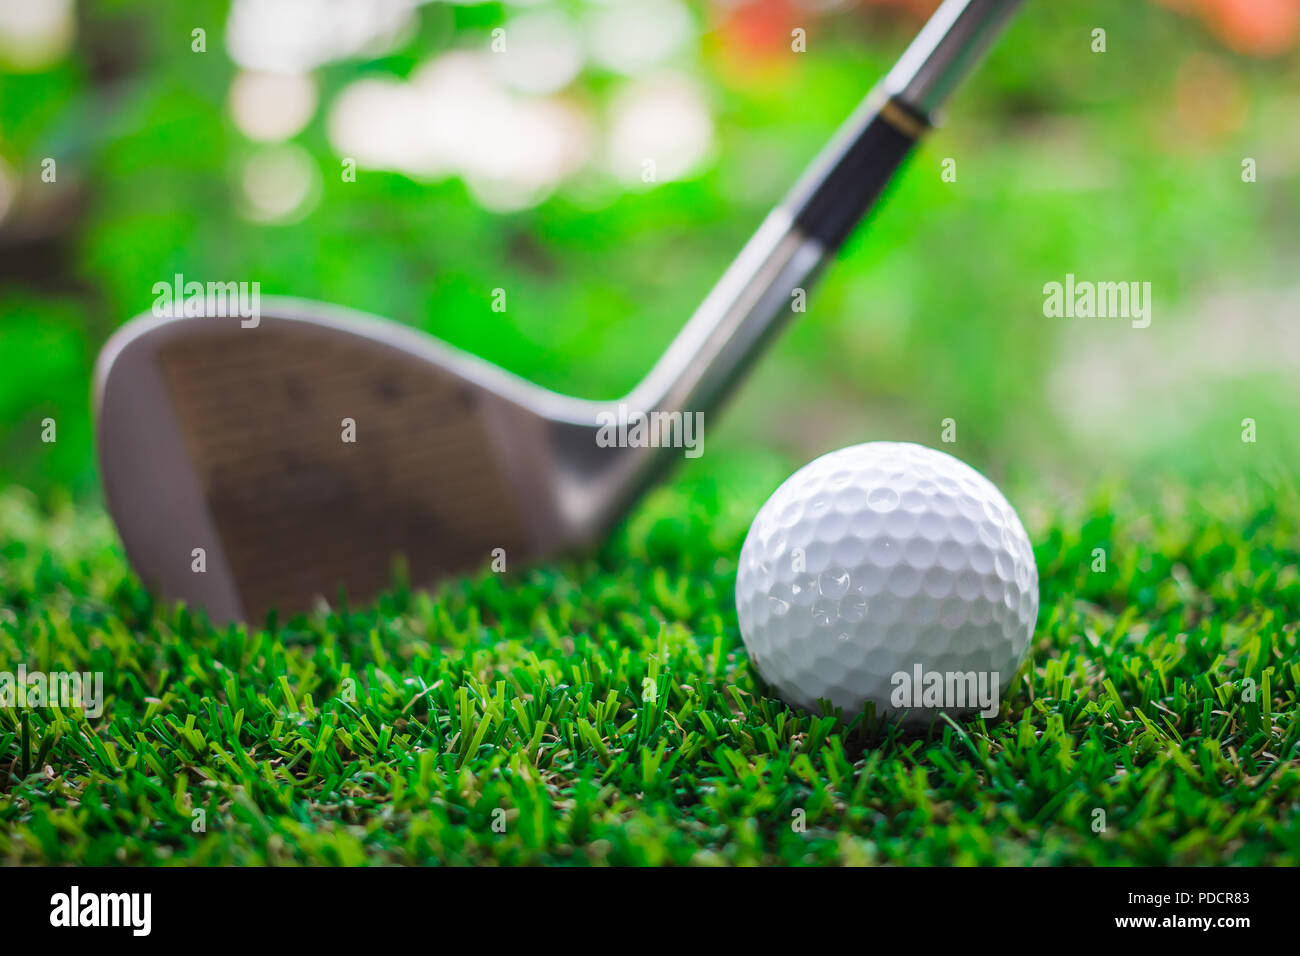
column 759, row 32
column 1256, row 27
column 760, row 28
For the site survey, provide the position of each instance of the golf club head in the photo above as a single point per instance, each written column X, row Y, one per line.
column 304, row 453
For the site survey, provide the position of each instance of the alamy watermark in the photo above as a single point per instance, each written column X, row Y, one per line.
column 1100, row 300
column 193, row 299
column 628, row 429
column 133, row 911
column 946, row 690
column 64, row 689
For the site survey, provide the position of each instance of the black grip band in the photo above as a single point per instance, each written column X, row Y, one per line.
column 850, row 175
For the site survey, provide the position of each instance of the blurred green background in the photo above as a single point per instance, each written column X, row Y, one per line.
column 520, row 169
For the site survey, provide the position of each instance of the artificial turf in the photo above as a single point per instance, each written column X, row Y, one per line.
column 603, row 710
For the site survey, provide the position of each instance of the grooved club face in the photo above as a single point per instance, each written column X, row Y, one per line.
column 304, row 457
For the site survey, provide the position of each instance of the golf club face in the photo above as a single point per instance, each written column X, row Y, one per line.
column 305, row 453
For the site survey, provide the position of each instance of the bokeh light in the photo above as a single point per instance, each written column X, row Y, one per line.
column 633, row 37
column 543, row 53
column 663, row 119
column 280, row 183
column 294, row 36
column 272, row 106
column 457, row 117
column 35, row 33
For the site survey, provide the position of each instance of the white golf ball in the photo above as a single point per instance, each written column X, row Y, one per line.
column 888, row 573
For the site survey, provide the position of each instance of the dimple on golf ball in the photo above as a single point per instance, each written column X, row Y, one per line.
column 888, row 573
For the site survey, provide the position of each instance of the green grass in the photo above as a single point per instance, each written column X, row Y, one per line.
column 522, row 700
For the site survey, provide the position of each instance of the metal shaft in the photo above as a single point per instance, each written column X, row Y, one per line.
column 753, row 299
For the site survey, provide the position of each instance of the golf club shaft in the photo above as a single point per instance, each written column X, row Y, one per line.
column 754, row 297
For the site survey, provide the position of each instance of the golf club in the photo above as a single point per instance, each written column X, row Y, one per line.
column 227, row 439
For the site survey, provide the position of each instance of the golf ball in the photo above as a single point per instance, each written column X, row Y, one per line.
column 888, row 573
